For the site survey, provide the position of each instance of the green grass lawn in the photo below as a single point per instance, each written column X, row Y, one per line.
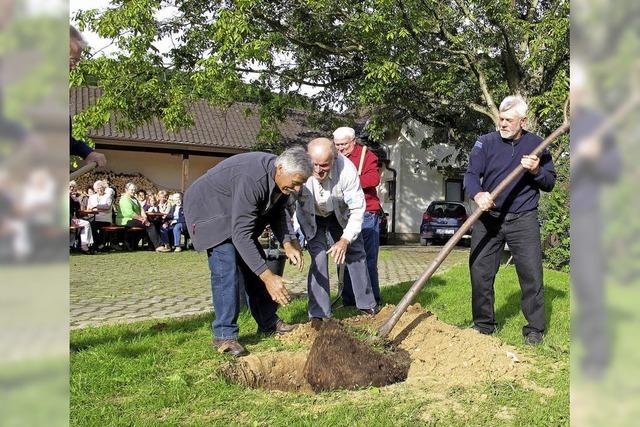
column 136, row 374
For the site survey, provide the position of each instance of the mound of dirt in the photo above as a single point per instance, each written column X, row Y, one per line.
column 447, row 356
column 439, row 357
column 339, row 361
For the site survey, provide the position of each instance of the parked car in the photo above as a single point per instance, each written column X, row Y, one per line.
column 384, row 227
column 441, row 220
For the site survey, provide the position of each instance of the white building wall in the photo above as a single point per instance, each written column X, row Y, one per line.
column 417, row 184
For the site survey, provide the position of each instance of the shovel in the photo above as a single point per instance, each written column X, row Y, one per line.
column 330, row 362
column 408, row 298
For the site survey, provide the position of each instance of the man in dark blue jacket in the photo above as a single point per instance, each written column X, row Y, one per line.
column 511, row 218
column 226, row 210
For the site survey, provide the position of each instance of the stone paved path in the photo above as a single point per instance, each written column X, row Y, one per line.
column 109, row 288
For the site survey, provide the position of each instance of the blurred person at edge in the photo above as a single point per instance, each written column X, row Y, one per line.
column 594, row 164
column 512, row 217
column 80, row 148
column 12, row 131
column 366, row 162
column 13, row 229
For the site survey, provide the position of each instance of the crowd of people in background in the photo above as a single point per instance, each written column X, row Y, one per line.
column 98, row 209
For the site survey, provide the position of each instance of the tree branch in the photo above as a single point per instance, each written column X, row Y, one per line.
column 482, row 81
column 286, row 32
column 299, row 80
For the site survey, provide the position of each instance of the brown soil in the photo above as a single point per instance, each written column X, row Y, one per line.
column 445, row 356
column 276, row 371
column 440, row 357
column 339, row 361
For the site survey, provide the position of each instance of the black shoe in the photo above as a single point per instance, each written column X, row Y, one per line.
column 483, row 331
column 370, row 311
column 231, row 346
column 280, row 328
column 533, row 338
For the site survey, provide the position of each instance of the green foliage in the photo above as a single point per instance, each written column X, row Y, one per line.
column 554, row 214
column 445, row 64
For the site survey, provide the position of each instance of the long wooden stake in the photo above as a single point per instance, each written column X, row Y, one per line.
column 444, row 252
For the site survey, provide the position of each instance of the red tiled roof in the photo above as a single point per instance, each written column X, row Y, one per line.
column 213, row 127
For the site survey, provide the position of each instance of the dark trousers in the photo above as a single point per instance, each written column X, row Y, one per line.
column 98, row 235
column 229, row 274
column 371, row 236
column 154, row 236
column 587, row 279
column 522, row 234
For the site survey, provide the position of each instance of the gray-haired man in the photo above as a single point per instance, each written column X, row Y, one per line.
column 512, row 217
column 332, row 201
column 226, row 210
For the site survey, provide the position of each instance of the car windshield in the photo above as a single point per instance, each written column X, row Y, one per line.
column 446, row 210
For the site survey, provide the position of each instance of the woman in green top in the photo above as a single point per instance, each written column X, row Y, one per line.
column 131, row 214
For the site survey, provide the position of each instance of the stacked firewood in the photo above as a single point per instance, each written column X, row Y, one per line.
column 118, row 180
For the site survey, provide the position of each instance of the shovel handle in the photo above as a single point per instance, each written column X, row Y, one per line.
column 444, row 252
column 81, row 171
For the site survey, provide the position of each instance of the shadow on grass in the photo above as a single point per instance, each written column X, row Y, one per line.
column 295, row 313
column 511, row 308
column 135, row 331
column 393, row 294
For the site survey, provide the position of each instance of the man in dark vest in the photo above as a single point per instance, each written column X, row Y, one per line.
column 226, row 210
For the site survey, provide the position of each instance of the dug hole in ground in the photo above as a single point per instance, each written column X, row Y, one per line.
column 426, row 354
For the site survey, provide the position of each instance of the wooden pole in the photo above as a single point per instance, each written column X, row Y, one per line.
column 185, row 172
column 422, row 280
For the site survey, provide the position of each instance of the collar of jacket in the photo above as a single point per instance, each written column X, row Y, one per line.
column 513, row 141
column 274, row 190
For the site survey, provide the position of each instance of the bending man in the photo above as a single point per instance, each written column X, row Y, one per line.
column 226, row 210
column 332, row 201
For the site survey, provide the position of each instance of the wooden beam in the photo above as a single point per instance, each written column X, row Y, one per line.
column 185, row 172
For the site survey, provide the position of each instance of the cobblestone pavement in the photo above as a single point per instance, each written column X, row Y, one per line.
column 109, row 288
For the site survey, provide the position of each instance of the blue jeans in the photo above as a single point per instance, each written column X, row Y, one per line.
column 229, row 274
column 176, row 230
column 371, row 236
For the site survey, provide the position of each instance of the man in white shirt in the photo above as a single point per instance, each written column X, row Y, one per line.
column 332, row 201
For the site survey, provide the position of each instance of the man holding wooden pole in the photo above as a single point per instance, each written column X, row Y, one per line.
column 511, row 218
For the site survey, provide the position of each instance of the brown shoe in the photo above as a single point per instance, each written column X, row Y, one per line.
column 280, row 328
column 230, row 346
column 162, row 249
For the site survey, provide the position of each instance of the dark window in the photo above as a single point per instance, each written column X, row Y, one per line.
column 453, row 190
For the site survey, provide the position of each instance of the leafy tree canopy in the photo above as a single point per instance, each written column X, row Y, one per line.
column 444, row 63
